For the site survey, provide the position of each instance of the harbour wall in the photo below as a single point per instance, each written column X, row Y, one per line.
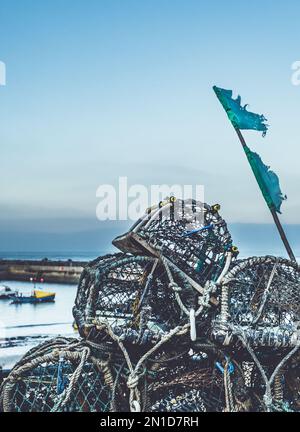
column 49, row 271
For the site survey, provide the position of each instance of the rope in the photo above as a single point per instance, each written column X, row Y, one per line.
column 266, row 292
column 149, row 279
column 113, row 406
column 253, row 261
column 134, row 372
column 39, row 358
column 203, row 300
column 228, row 389
column 64, row 398
column 268, row 399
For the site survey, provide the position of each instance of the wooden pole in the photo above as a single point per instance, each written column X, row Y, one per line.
column 282, row 235
column 273, row 212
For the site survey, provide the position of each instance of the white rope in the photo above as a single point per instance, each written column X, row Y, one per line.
column 228, row 389
column 65, row 396
column 203, row 300
column 266, row 292
column 225, row 269
column 268, row 399
column 134, row 375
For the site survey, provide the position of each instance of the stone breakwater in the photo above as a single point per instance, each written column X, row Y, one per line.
column 50, row 271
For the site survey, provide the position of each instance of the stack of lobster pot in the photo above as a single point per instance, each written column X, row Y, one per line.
column 258, row 323
column 156, row 301
column 172, row 260
column 145, row 318
column 173, row 322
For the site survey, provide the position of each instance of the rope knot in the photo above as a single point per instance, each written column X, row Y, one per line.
column 132, row 381
column 268, row 400
column 175, row 287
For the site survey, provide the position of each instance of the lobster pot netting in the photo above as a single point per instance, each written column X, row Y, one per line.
column 264, row 301
column 290, row 376
column 61, row 376
column 85, row 285
column 202, row 379
column 191, row 234
column 259, row 322
column 134, row 297
column 282, row 374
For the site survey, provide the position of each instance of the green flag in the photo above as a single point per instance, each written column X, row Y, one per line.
column 237, row 114
column 267, row 180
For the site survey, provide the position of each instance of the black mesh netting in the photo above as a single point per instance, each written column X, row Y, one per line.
column 63, row 375
column 264, row 300
column 191, row 234
column 259, row 321
column 133, row 294
column 71, row 375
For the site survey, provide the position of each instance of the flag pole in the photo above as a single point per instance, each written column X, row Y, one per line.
column 272, row 210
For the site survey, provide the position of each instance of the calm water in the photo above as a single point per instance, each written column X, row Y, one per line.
column 75, row 256
column 23, row 326
column 26, row 325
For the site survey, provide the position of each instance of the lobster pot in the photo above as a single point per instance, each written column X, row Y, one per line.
column 263, row 301
column 133, row 296
column 86, row 286
column 190, row 234
column 285, row 385
column 60, row 377
column 258, row 321
column 291, row 378
column 200, row 380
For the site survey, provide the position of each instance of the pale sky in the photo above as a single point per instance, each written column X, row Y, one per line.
column 101, row 89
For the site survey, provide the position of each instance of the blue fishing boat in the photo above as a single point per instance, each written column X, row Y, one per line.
column 37, row 296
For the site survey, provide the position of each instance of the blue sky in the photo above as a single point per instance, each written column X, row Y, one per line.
column 99, row 89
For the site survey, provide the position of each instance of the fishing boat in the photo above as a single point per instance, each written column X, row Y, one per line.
column 37, row 296
column 6, row 292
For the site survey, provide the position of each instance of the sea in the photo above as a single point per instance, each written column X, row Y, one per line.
column 25, row 325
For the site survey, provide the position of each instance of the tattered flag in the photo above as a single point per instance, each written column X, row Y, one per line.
column 238, row 114
column 268, row 181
